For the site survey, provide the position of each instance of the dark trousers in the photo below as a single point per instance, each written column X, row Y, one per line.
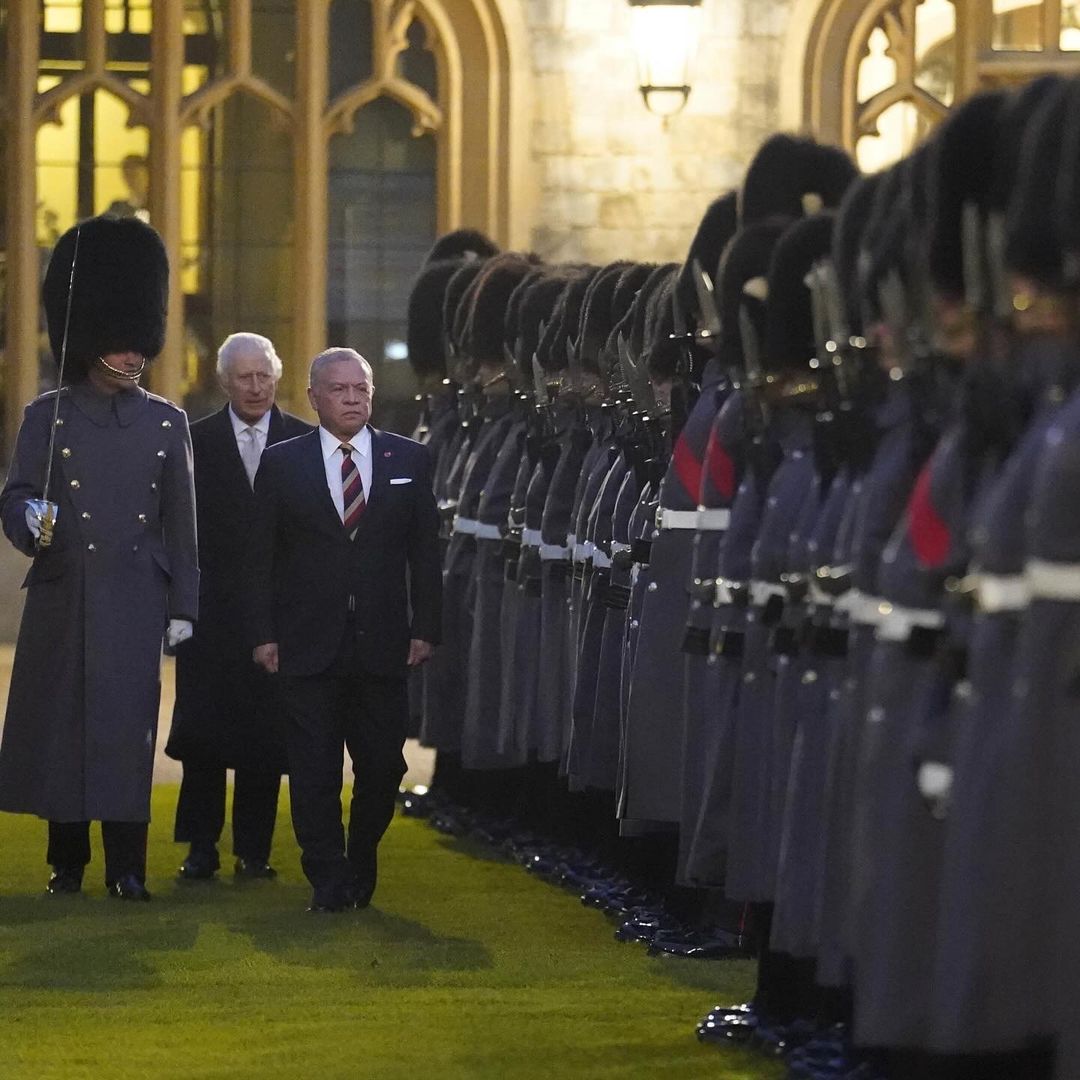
column 343, row 706
column 124, row 843
column 200, row 810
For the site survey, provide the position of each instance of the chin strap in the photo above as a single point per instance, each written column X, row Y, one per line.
column 132, row 376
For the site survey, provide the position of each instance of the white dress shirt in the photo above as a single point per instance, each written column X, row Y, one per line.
column 250, row 440
column 261, row 426
column 332, row 458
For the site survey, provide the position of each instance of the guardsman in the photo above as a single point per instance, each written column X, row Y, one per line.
column 576, row 449
column 654, row 721
column 988, row 983
column 498, row 377
column 100, row 494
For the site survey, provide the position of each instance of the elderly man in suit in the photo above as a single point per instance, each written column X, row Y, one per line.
column 226, row 713
column 344, row 590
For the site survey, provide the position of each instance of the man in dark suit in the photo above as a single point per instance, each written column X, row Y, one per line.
column 226, row 713
column 344, row 589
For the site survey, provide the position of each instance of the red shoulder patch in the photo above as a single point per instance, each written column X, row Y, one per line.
column 721, row 467
column 687, row 467
column 930, row 539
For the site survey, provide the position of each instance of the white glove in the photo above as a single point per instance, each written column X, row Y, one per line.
column 179, row 630
column 36, row 512
column 935, row 780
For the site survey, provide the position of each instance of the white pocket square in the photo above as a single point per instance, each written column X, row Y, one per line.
column 401, row 480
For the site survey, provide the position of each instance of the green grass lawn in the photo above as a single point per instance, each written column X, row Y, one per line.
column 464, row 967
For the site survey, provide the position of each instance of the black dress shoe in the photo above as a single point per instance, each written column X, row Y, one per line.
column 254, row 870
column 128, row 887
column 65, row 880
column 327, row 900
column 201, row 864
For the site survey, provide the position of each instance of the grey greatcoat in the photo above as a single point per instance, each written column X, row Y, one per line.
column 82, row 712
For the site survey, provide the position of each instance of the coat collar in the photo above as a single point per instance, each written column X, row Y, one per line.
column 126, row 405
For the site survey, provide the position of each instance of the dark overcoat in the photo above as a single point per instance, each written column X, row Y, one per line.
column 82, row 713
column 225, row 708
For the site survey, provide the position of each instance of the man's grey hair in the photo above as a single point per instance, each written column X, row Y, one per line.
column 236, row 345
column 332, row 356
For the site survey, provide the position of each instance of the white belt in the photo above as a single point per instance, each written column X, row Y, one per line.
column 819, row 596
column 896, row 623
column 761, row 592
column 722, row 595
column 1053, row 580
column 712, row 520
column 466, row 526
column 860, row 608
column 553, row 552
column 571, row 540
column 600, row 559
column 676, row 519
column 488, row 532
column 617, row 546
column 1002, row 592
column 582, row 552
column 530, row 538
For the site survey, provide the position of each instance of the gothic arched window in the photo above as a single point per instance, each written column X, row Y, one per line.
column 904, row 63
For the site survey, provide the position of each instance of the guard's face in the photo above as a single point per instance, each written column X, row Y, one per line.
column 341, row 395
column 249, row 381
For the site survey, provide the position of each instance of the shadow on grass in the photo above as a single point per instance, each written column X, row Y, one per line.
column 74, row 943
column 382, row 948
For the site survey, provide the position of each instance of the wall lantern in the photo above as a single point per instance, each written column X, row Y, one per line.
column 666, row 39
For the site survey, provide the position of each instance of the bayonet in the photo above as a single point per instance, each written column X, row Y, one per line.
column 710, row 325
column 44, row 509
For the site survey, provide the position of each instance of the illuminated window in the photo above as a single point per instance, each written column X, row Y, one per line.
column 905, row 63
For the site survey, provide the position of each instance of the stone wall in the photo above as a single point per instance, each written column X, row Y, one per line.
column 612, row 179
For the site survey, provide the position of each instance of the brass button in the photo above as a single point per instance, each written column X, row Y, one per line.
column 59, row 421
column 66, row 452
column 74, row 483
column 134, row 547
column 166, row 423
column 161, row 453
column 91, row 547
column 142, row 519
column 86, row 515
column 153, row 485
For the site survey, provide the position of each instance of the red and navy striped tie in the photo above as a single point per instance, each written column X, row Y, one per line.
column 353, row 491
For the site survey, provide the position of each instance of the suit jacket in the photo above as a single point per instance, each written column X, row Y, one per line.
column 225, row 710
column 302, row 568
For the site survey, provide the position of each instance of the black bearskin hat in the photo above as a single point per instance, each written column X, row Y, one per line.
column 960, row 173
column 790, row 171
column 564, row 321
column 489, row 302
column 461, row 244
column 849, row 232
column 742, row 282
column 455, row 302
column 596, row 314
column 632, row 281
column 120, row 293
column 789, row 319
column 512, row 321
column 716, row 229
column 1037, row 232
column 661, row 353
column 536, row 308
column 1015, row 119
column 424, row 333
column 639, row 314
